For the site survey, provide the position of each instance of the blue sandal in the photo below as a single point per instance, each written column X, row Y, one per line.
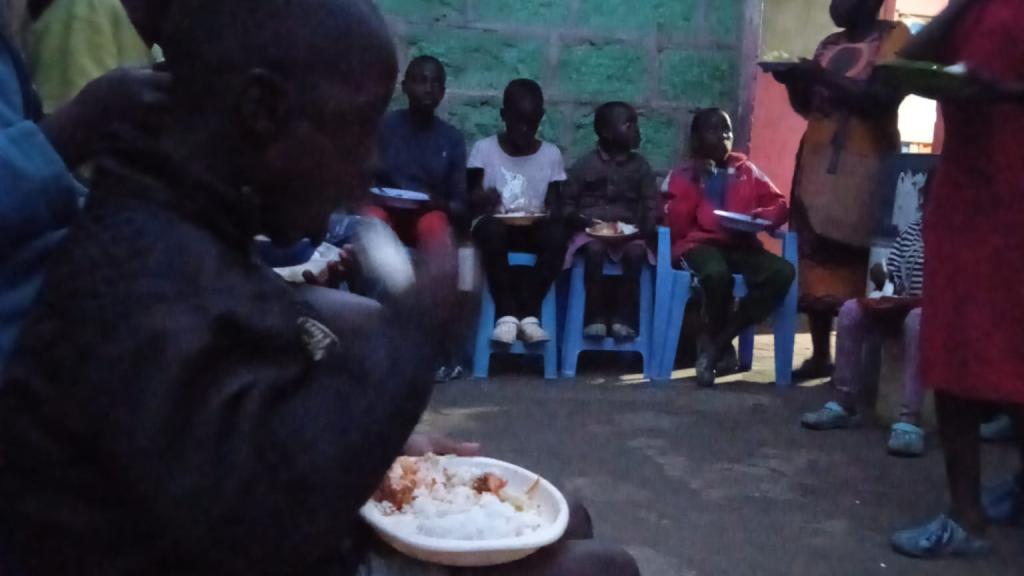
column 1004, row 502
column 940, row 538
column 906, row 440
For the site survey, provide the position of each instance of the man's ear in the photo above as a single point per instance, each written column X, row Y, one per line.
column 264, row 105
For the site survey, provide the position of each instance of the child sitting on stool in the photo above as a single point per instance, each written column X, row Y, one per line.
column 515, row 172
column 716, row 178
column 904, row 269
column 612, row 184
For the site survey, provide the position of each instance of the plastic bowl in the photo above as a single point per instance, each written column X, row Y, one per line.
column 474, row 553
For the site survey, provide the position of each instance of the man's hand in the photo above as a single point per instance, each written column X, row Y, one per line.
column 423, row 444
column 136, row 97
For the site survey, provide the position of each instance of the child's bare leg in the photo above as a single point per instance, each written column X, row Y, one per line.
column 913, row 389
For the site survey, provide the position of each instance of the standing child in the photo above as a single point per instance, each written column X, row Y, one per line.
column 716, row 178
column 612, row 184
column 516, row 172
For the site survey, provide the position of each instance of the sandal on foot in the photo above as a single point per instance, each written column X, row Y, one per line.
column 1003, row 502
column 939, row 538
column 906, row 440
column 832, row 417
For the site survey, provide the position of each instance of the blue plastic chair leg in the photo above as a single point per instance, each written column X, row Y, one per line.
column 746, row 351
column 680, row 295
column 485, row 325
column 549, row 320
column 646, row 328
column 785, row 335
column 572, row 342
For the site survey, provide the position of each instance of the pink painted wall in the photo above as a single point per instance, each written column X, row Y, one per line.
column 775, row 132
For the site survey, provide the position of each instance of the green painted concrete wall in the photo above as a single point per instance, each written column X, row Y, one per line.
column 665, row 56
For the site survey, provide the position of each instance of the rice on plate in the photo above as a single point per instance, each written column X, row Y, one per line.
column 421, row 495
column 462, row 511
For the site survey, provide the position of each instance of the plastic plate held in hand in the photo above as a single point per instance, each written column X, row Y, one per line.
column 519, row 218
column 615, row 231
column 927, row 78
column 396, row 198
column 770, row 66
column 742, row 222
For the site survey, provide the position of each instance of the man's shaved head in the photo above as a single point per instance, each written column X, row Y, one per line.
column 284, row 96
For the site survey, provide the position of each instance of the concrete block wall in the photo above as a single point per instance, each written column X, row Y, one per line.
column 664, row 56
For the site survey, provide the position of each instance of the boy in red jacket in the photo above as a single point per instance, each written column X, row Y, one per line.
column 715, row 178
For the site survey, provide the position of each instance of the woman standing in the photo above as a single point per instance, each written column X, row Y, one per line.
column 851, row 130
column 973, row 322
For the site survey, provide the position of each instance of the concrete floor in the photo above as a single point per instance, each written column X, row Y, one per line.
column 717, row 482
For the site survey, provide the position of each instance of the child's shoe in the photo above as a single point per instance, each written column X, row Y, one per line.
column 505, row 330
column 623, row 332
column 906, row 440
column 596, row 330
column 831, row 417
column 942, row 537
column 531, row 332
column 1003, row 502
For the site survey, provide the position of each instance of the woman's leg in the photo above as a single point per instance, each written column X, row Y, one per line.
column 594, row 254
column 959, row 419
column 819, row 365
column 491, row 236
column 627, row 306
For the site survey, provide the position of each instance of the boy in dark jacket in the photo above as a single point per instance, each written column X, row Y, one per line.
column 612, row 184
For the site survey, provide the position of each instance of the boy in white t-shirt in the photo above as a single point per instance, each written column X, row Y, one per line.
column 516, row 173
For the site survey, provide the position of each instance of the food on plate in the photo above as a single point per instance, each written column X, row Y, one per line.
column 777, row 56
column 612, row 229
column 423, row 496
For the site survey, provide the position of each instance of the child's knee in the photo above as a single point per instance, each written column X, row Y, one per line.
column 850, row 313
column 784, row 274
column 433, row 225
column 376, row 212
column 912, row 323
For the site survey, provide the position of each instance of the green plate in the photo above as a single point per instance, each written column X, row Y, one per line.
column 925, row 79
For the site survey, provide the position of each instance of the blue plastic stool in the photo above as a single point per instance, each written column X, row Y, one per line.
column 573, row 340
column 673, row 290
column 548, row 321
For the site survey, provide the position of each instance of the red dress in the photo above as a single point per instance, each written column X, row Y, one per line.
column 973, row 319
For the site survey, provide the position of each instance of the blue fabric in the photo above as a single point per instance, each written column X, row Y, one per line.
column 430, row 161
column 38, row 199
column 715, row 188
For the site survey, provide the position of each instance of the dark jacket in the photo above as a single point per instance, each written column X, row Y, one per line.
column 602, row 189
column 172, row 407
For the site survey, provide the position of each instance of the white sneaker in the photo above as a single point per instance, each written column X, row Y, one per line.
column 531, row 332
column 505, row 330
